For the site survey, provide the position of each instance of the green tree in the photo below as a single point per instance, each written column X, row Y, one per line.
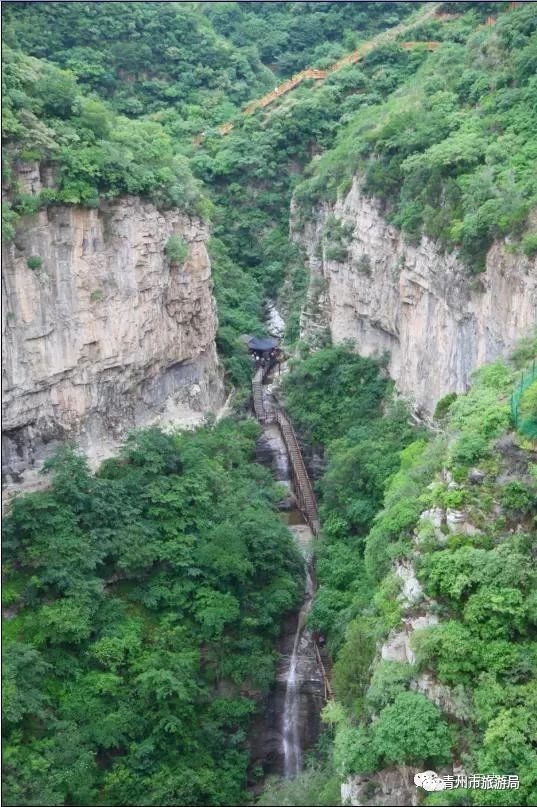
column 411, row 730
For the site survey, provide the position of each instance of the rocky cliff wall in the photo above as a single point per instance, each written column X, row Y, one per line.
column 437, row 322
column 106, row 334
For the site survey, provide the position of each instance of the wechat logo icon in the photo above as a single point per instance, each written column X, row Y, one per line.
column 429, row 780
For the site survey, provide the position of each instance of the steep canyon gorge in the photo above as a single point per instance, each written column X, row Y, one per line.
column 109, row 334
column 276, row 352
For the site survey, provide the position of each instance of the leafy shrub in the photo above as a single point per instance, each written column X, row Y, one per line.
column 469, row 449
column 518, row 498
column 524, row 351
column 388, row 680
column 337, row 236
column 386, row 603
column 527, row 424
column 9, row 220
column 336, row 252
column 412, row 731
column 56, row 90
column 352, row 668
column 507, row 742
column 495, row 613
column 176, row 249
column 455, row 499
column 363, row 265
column 455, row 574
column 529, row 244
column 316, row 786
column 450, row 649
column 354, row 751
column 34, row 262
column 392, row 524
column 443, row 405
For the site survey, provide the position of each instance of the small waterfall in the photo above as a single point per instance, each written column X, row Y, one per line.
column 292, row 751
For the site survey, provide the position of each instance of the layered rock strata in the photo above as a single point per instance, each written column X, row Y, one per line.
column 104, row 333
column 422, row 306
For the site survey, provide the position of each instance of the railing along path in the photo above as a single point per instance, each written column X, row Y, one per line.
column 301, row 481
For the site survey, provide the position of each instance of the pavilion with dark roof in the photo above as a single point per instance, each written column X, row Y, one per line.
column 264, row 349
column 259, row 344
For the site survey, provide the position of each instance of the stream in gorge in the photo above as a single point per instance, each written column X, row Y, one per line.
column 290, row 723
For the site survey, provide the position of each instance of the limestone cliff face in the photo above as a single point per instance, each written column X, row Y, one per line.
column 106, row 334
column 437, row 322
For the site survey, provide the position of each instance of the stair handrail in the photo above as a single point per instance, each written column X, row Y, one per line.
column 301, row 474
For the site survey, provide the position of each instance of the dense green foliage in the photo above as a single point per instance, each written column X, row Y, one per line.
column 528, row 412
column 34, row 262
column 144, row 57
column 291, row 36
column 479, row 580
column 341, row 403
column 195, row 62
column 316, row 786
column 452, row 154
column 144, row 605
column 251, row 174
column 90, row 150
column 176, row 249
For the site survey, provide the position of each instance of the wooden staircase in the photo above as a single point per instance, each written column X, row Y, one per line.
column 266, row 413
column 433, row 12
column 317, row 75
column 257, row 392
column 349, row 58
column 303, row 488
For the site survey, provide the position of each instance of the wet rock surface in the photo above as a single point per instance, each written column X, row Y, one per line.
column 266, row 737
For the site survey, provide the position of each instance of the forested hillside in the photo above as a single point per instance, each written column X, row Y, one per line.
column 445, row 138
column 198, row 63
column 144, row 601
column 137, row 82
column 453, row 154
column 93, row 151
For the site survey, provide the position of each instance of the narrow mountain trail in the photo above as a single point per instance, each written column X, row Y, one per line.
column 351, row 58
column 432, row 11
